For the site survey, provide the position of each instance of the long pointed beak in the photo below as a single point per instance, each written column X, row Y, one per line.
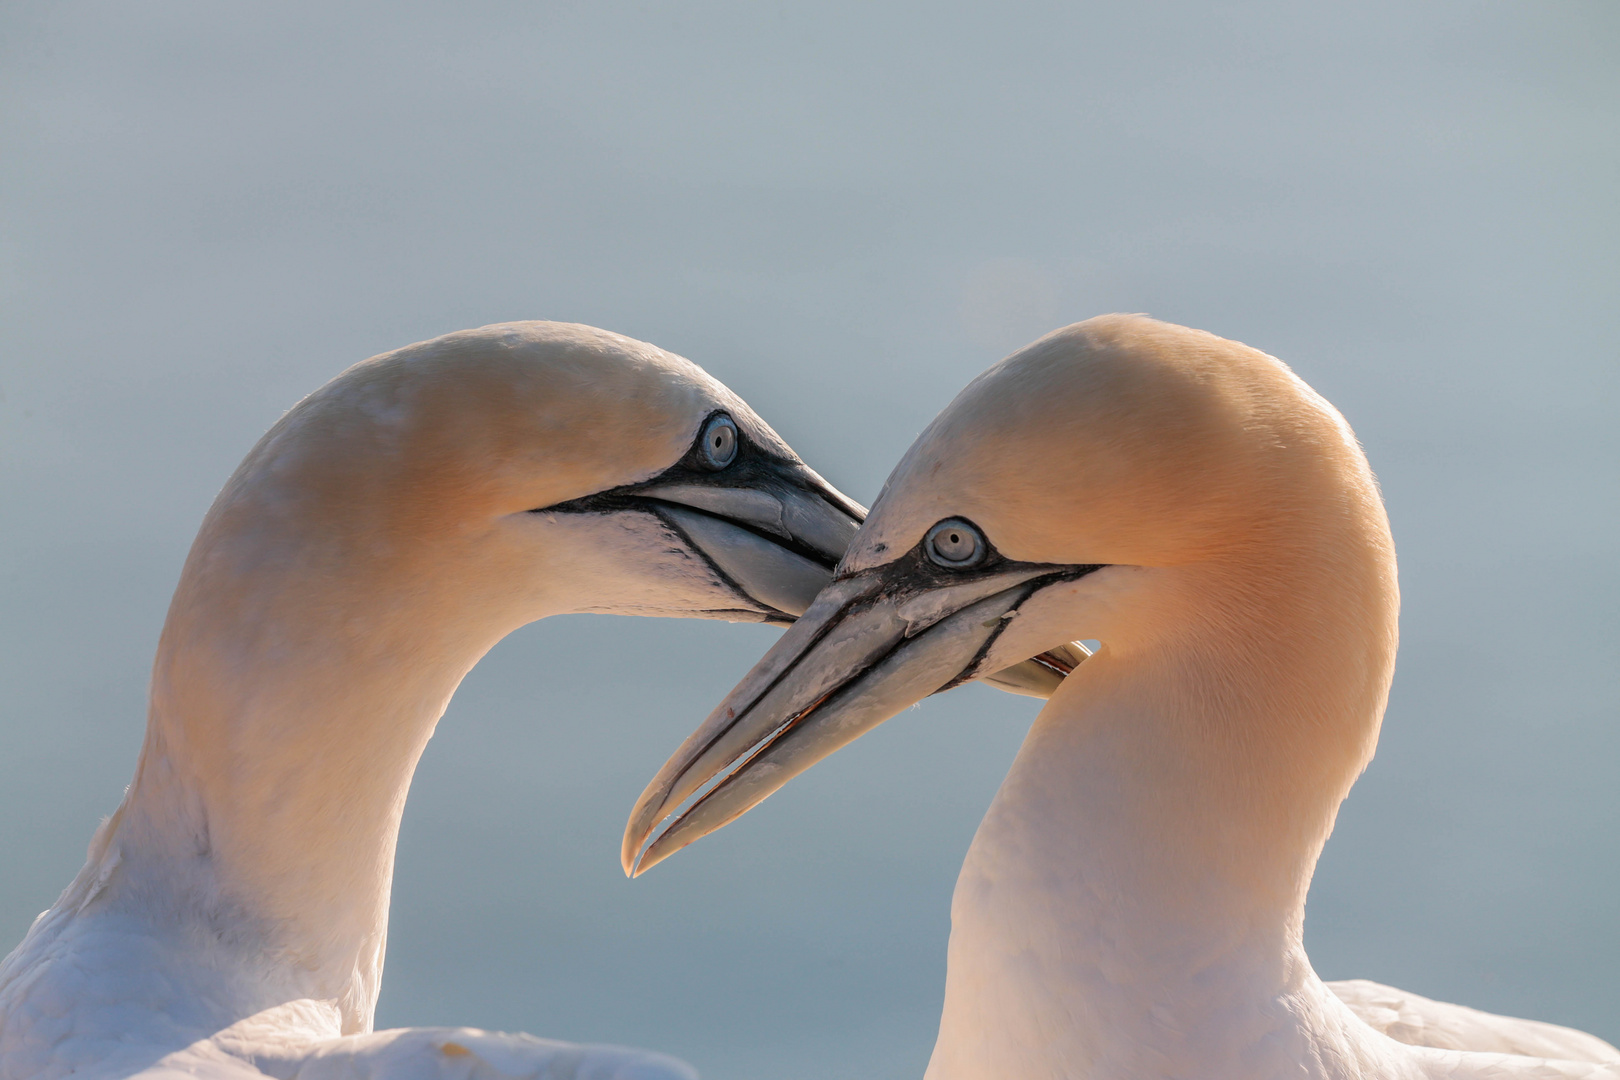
column 871, row 645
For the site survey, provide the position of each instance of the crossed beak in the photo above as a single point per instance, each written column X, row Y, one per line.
column 871, row 645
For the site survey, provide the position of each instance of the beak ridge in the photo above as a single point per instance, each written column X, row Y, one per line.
column 852, row 662
column 703, row 752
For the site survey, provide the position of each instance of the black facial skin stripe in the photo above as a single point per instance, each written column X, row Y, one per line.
column 753, row 468
column 916, row 572
column 614, row 501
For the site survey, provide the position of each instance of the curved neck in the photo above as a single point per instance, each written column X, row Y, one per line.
column 292, row 696
column 1133, row 902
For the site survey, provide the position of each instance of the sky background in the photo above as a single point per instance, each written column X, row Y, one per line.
column 844, row 211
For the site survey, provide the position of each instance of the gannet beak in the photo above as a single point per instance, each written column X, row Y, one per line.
column 871, row 645
column 775, row 540
column 772, row 530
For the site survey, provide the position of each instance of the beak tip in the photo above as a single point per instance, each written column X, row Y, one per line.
column 628, row 852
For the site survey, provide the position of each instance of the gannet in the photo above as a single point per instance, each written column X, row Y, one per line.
column 1132, row 905
column 390, row 529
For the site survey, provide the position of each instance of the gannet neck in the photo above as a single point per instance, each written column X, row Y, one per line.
column 287, row 716
column 1133, row 902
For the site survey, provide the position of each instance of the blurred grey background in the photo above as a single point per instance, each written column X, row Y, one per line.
column 844, row 211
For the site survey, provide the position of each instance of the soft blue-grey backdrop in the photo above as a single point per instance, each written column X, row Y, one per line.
column 843, row 210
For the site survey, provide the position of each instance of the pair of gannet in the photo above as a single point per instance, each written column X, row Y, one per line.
column 1132, row 905
column 230, row 919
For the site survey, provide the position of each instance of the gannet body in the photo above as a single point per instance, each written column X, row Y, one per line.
column 391, row 528
column 1132, row 905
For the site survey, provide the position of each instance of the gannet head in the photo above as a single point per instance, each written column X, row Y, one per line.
column 493, row 476
column 1034, row 511
column 382, row 536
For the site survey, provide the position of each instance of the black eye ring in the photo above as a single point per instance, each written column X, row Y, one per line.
column 955, row 544
column 717, row 446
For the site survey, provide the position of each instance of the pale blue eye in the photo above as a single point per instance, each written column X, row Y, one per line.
column 955, row 543
column 718, row 447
